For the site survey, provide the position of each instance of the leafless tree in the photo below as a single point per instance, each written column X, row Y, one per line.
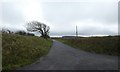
column 42, row 28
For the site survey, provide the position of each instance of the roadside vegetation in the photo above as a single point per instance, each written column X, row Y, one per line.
column 103, row 45
column 20, row 50
column 0, row 51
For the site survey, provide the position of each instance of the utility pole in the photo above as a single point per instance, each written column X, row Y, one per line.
column 76, row 32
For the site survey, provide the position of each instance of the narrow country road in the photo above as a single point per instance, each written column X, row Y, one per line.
column 64, row 57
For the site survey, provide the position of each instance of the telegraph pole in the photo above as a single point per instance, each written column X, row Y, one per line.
column 76, row 32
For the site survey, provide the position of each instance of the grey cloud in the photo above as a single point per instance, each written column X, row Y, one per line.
column 66, row 11
column 63, row 15
column 11, row 13
column 96, row 32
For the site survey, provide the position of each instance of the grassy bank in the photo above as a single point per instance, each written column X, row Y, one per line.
column 18, row 50
column 103, row 45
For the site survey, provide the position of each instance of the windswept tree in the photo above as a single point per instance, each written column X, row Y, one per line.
column 42, row 28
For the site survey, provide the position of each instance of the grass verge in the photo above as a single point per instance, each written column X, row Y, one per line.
column 18, row 50
column 102, row 45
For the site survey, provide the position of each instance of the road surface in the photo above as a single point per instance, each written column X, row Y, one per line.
column 64, row 57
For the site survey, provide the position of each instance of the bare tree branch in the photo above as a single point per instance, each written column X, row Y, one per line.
column 42, row 28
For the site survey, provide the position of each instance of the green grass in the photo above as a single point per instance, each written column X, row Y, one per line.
column 0, row 51
column 101, row 45
column 18, row 50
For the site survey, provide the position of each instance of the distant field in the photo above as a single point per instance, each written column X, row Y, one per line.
column 18, row 50
column 103, row 45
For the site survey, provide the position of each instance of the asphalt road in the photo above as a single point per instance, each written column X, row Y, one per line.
column 64, row 57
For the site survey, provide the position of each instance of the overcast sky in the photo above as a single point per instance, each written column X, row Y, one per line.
column 92, row 17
